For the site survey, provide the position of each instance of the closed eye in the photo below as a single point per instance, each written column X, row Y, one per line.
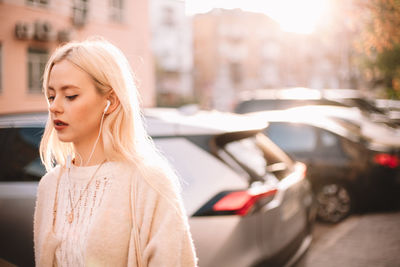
column 71, row 97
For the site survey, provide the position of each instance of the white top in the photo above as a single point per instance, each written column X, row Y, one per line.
column 73, row 235
column 132, row 218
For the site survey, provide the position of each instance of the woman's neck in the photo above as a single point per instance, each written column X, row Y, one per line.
column 85, row 155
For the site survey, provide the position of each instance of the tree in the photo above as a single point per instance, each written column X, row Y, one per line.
column 380, row 43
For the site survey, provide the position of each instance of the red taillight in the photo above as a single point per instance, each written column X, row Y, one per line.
column 240, row 202
column 391, row 161
column 301, row 170
column 236, row 202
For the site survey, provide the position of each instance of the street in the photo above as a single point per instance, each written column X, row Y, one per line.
column 360, row 240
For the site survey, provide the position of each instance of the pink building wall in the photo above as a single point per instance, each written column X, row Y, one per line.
column 132, row 36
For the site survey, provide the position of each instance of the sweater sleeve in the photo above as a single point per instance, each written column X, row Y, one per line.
column 38, row 214
column 43, row 243
column 165, row 238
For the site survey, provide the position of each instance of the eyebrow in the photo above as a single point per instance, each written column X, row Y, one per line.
column 64, row 87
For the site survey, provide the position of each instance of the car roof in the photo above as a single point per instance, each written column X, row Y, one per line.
column 37, row 119
column 310, row 118
column 345, row 121
column 171, row 121
column 300, row 93
column 162, row 122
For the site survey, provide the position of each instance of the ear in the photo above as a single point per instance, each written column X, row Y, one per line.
column 112, row 97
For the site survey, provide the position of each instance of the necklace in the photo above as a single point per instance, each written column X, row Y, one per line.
column 70, row 216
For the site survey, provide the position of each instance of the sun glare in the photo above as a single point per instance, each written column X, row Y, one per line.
column 298, row 16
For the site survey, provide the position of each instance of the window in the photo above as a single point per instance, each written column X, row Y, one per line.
column 330, row 144
column 20, row 154
column 254, row 154
column 38, row 2
column 80, row 12
column 116, row 10
column 328, row 140
column 168, row 16
column 36, row 63
column 206, row 174
column 236, row 72
column 292, row 138
column 248, row 153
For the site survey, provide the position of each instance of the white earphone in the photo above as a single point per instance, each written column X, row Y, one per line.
column 68, row 163
column 108, row 105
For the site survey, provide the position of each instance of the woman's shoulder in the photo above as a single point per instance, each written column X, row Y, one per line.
column 159, row 186
column 147, row 177
column 50, row 177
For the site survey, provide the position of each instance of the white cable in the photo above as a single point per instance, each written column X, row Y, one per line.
column 68, row 163
column 97, row 140
column 80, row 159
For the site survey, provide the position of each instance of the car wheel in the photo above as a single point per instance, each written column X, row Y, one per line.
column 334, row 201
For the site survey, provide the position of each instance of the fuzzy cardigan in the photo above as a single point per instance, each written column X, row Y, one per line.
column 163, row 230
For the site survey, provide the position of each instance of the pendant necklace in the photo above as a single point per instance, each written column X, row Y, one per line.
column 70, row 216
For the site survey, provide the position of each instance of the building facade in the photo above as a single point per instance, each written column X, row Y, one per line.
column 31, row 29
column 171, row 32
column 236, row 51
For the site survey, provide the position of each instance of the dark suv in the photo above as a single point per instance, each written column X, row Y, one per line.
column 285, row 98
column 349, row 171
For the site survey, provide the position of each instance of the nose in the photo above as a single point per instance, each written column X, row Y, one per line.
column 55, row 106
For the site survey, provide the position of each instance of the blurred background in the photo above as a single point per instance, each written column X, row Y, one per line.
column 339, row 57
column 209, row 52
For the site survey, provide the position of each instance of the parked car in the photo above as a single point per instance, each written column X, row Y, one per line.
column 355, row 120
column 349, row 171
column 248, row 202
column 391, row 107
column 277, row 99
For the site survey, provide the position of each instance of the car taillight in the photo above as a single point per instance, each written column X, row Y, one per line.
column 301, row 170
column 391, row 161
column 236, row 202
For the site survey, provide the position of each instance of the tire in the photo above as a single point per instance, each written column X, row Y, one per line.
column 334, row 202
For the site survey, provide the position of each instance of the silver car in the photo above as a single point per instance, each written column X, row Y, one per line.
column 248, row 203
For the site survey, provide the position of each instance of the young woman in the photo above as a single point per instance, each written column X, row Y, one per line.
column 111, row 200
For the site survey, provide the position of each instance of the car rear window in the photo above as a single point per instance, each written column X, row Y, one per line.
column 19, row 155
column 201, row 173
column 292, row 138
column 253, row 153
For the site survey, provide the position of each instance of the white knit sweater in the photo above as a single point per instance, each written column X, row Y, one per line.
column 102, row 232
column 78, row 184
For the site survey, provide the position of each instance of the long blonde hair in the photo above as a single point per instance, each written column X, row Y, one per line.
column 123, row 132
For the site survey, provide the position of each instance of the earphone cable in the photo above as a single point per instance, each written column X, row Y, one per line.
column 97, row 140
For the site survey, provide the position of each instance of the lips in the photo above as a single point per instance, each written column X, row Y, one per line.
column 59, row 125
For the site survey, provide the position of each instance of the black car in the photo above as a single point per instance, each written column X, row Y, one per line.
column 348, row 171
column 278, row 99
column 285, row 98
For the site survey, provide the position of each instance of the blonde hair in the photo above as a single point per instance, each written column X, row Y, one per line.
column 123, row 132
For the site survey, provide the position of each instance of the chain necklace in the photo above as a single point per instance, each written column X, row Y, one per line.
column 70, row 216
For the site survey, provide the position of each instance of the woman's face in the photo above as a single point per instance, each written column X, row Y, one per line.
column 75, row 105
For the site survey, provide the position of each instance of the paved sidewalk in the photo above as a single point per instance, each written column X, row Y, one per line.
column 359, row 241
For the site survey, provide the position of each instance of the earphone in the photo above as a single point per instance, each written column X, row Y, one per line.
column 108, row 105
column 68, row 163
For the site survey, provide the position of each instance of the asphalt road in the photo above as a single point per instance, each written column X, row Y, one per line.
column 359, row 241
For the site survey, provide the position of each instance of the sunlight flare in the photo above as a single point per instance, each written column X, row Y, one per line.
column 292, row 15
